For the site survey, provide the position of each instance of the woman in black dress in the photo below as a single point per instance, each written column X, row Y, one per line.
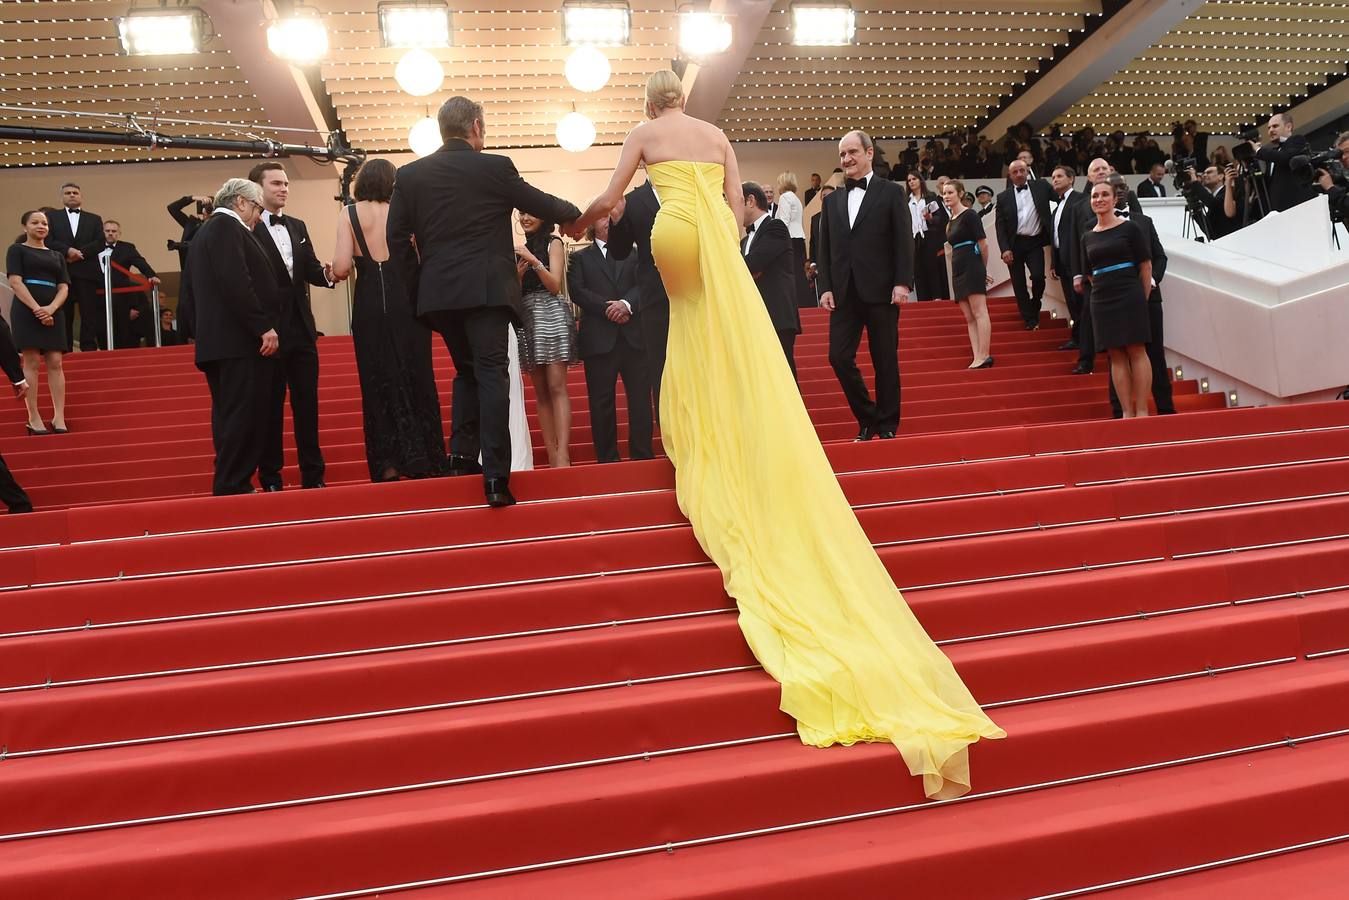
column 929, row 237
column 1119, row 265
column 41, row 284
column 400, row 406
column 969, row 277
column 548, row 342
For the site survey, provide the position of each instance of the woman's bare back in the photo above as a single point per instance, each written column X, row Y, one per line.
column 682, row 138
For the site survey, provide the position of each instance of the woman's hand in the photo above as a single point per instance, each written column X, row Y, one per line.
column 46, row 315
column 521, row 267
column 523, row 252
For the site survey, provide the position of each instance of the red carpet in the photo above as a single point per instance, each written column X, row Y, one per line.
column 383, row 688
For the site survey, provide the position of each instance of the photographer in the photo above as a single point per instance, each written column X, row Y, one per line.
column 1325, row 177
column 1286, row 189
column 190, row 224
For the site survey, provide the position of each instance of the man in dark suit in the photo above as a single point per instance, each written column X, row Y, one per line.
column 1023, row 225
column 130, row 309
column 238, row 308
column 630, row 226
column 865, row 269
column 983, row 194
column 610, row 345
column 71, row 228
column 295, row 265
column 456, row 205
column 1154, row 185
column 1286, row 190
column 13, row 496
column 1161, row 373
column 1065, row 218
column 767, row 248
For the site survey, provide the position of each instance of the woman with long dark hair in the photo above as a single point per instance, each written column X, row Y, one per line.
column 928, row 219
column 41, row 285
column 548, row 343
column 400, row 406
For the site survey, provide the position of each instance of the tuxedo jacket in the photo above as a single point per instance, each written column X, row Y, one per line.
column 234, row 288
column 297, row 314
column 1285, row 190
column 592, row 281
column 1158, row 253
column 1065, row 258
column 1147, row 189
column 634, row 230
column 60, row 239
column 124, row 254
column 772, row 262
column 456, row 204
column 873, row 255
column 1004, row 213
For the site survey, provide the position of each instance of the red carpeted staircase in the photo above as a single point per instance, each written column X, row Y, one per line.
column 379, row 689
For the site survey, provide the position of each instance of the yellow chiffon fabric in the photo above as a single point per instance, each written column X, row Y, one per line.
column 817, row 606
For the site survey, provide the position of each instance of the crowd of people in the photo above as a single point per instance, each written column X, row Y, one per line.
column 604, row 306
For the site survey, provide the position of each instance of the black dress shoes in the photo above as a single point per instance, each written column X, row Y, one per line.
column 1080, row 369
column 887, row 435
column 271, row 488
column 498, row 492
column 865, row 434
column 1068, row 345
column 1032, row 326
column 463, row 465
column 986, row 364
column 317, row 484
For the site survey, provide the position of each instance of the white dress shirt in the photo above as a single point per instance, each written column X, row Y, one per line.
column 232, row 214
column 855, row 198
column 281, row 237
column 756, row 225
column 604, row 252
column 1058, row 214
column 789, row 211
column 1027, row 219
column 916, row 207
column 74, row 216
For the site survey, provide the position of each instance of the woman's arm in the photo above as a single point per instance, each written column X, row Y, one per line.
column 735, row 196
column 557, row 265
column 345, row 248
column 1145, row 275
column 21, row 291
column 628, row 160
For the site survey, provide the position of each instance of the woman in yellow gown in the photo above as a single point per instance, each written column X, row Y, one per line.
column 816, row 604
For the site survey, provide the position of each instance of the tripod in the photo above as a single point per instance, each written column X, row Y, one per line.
column 1256, row 191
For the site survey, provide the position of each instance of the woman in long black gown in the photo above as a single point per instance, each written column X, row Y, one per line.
column 41, row 285
column 404, row 432
column 1119, row 265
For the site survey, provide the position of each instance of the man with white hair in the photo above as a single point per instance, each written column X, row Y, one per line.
column 238, row 309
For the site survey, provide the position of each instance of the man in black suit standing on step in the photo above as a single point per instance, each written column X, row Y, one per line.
column 286, row 242
column 1023, row 224
column 13, row 496
column 610, row 344
column 1065, row 217
column 130, row 310
column 630, row 226
column 456, row 204
column 767, row 248
column 238, row 307
column 71, row 228
column 865, row 269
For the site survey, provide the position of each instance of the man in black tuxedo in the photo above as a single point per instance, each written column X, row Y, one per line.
column 1065, row 218
column 238, row 308
column 767, row 248
column 456, row 205
column 130, row 310
column 71, row 228
column 1161, row 373
column 13, row 496
column 1154, row 185
column 1286, row 190
column 1097, row 171
column 865, row 269
column 630, row 226
column 295, row 266
column 1024, row 225
column 610, row 344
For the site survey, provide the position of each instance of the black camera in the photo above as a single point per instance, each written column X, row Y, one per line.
column 1243, row 152
column 203, row 207
column 179, row 246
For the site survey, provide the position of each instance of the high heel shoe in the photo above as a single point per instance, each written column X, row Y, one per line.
column 55, row 430
column 986, row 364
column 32, row 430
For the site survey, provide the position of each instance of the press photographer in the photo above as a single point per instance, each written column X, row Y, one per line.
column 190, row 224
column 1284, row 188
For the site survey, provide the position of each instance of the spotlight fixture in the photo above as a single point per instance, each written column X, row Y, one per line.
column 1203, row 385
column 419, row 73
column 415, row 23
column 575, row 132
column 703, row 33
column 601, row 23
column 1231, row 398
column 823, row 24
column 163, row 31
column 587, row 69
column 1180, row 373
column 300, row 38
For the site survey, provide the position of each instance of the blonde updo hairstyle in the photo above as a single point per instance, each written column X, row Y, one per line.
column 787, row 181
column 664, row 90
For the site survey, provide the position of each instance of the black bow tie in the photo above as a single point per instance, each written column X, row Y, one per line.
column 111, row 246
column 1122, row 213
column 1024, row 187
column 859, row 183
column 276, row 218
column 749, row 229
